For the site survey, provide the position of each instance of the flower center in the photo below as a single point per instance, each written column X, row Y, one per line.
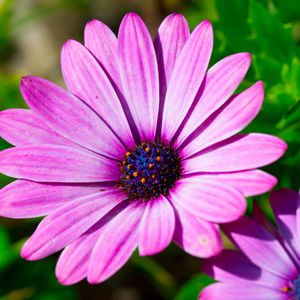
column 149, row 170
column 293, row 289
column 296, row 288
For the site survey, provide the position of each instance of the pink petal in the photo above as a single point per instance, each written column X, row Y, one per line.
column 186, row 78
column 208, row 199
column 241, row 152
column 67, row 223
column 118, row 240
column 57, row 164
column 298, row 214
column 102, row 42
column 238, row 291
column 85, row 78
column 27, row 199
column 23, row 127
column 171, row 37
column 234, row 116
column 72, row 265
column 261, row 247
column 70, row 117
column 139, row 74
column 221, row 81
column 157, row 226
column 233, row 266
column 284, row 205
column 249, row 183
column 196, row 236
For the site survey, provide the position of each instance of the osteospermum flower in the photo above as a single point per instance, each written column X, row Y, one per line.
column 141, row 150
column 267, row 267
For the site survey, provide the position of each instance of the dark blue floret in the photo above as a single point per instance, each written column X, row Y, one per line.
column 296, row 288
column 149, row 170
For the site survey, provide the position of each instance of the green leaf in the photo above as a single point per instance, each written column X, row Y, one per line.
column 269, row 35
column 8, row 253
column 192, row 288
column 233, row 15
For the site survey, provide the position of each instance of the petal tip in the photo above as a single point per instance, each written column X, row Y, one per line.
column 131, row 16
column 146, row 252
column 25, row 254
column 61, row 280
column 92, row 22
column 246, row 58
column 68, row 44
column 25, row 80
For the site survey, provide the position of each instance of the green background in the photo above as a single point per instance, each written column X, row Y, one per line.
column 31, row 34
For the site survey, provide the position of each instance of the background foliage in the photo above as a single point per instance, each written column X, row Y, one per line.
column 31, row 34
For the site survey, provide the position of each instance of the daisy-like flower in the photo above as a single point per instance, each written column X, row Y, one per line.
column 267, row 267
column 141, row 150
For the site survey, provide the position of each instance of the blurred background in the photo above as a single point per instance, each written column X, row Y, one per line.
column 31, row 35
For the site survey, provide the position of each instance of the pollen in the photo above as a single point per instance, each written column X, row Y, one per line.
column 149, row 170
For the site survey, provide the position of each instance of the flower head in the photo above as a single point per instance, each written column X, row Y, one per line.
column 141, row 149
column 267, row 265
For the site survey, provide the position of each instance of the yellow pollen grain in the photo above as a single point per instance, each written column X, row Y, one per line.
column 153, row 176
column 129, row 166
column 143, row 180
column 127, row 177
column 147, row 149
column 150, row 166
column 158, row 158
column 285, row 289
column 127, row 153
column 135, row 174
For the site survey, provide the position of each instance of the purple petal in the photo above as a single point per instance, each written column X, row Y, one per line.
column 118, row 240
column 71, row 118
column 171, row 37
column 157, row 226
column 27, row 199
column 139, row 74
column 238, row 291
column 260, row 246
column 241, row 152
column 23, row 127
column 102, row 42
column 67, row 223
column 284, row 205
column 72, row 265
column 249, row 183
column 233, row 266
column 221, row 81
column 85, row 78
column 234, row 116
column 57, row 164
column 209, row 199
column 196, row 236
column 186, row 78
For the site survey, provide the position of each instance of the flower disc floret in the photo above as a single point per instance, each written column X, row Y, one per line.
column 149, row 170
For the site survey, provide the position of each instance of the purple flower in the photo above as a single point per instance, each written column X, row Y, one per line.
column 268, row 263
column 141, row 150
